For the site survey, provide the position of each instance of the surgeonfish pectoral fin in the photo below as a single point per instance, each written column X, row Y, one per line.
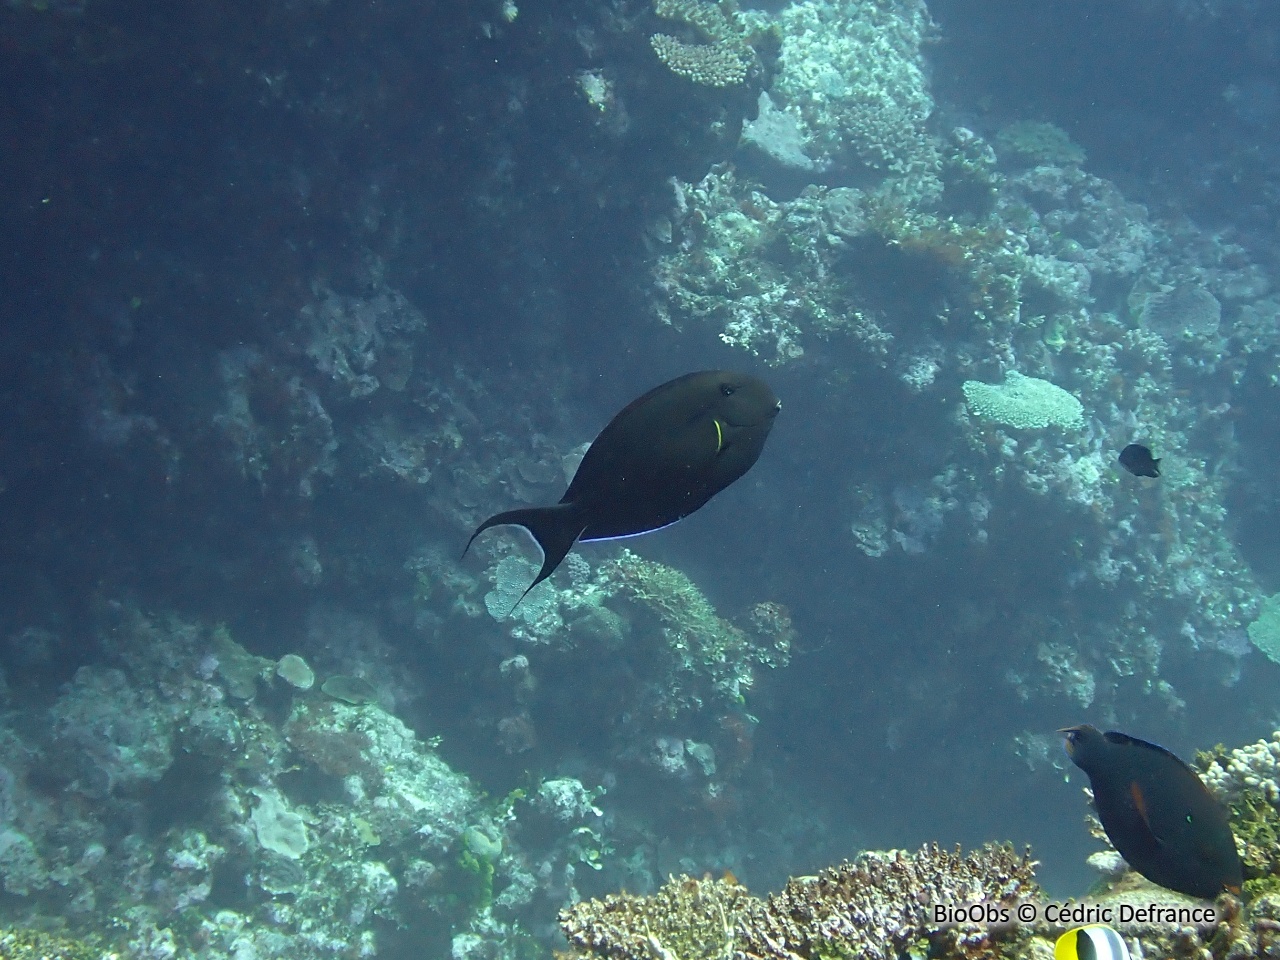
column 1140, row 803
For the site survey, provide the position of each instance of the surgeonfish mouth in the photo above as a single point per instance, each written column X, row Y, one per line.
column 1069, row 741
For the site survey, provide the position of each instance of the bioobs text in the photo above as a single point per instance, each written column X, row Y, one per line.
column 1073, row 914
column 991, row 914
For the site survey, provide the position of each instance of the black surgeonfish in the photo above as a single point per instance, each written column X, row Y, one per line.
column 661, row 458
column 1137, row 460
column 1157, row 812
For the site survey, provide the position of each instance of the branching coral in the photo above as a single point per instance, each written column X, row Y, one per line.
column 1248, row 780
column 710, row 64
column 1255, row 767
column 701, row 643
column 687, row 919
column 874, row 907
column 878, row 905
column 723, row 61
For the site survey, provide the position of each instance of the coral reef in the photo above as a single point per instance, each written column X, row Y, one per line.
column 854, row 72
column 1027, row 403
column 885, row 905
column 362, row 343
column 1264, row 632
column 1040, row 274
column 703, row 647
column 37, row 945
column 1039, row 144
column 704, row 658
column 331, row 818
column 1186, row 312
column 882, row 903
column 722, row 61
column 426, row 230
column 877, row 906
column 687, row 918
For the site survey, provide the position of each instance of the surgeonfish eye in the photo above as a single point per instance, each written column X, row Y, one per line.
column 1070, row 740
column 726, row 389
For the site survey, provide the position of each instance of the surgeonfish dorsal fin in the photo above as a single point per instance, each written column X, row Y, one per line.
column 1116, row 738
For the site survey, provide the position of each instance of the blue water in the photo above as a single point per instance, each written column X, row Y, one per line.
column 295, row 295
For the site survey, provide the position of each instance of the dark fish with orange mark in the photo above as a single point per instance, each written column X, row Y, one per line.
column 1157, row 812
column 1138, row 460
column 661, row 458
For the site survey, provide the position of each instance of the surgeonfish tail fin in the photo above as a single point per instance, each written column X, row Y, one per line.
column 555, row 528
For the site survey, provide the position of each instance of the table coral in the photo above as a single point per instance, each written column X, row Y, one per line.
column 1025, row 402
column 1264, row 632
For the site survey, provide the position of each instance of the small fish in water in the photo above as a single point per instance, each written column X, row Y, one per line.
column 660, row 459
column 1137, row 460
column 1157, row 812
column 1094, row 942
